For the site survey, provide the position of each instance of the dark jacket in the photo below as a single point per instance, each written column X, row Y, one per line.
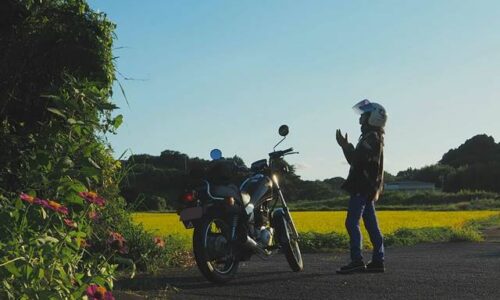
column 366, row 175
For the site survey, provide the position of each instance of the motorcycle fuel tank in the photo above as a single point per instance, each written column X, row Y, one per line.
column 259, row 188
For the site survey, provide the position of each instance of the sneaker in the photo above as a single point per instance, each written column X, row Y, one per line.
column 375, row 267
column 353, row 267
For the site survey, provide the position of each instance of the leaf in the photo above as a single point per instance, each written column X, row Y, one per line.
column 78, row 130
column 67, row 162
column 117, row 121
column 44, row 213
column 41, row 273
column 107, row 106
column 15, row 215
column 56, row 111
column 74, row 199
column 42, row 158
column 29, row 270
column 19, row 204
column 93, row 163
column 48, row 239
column 89, row 172
column 71, row 121
column 11, row 267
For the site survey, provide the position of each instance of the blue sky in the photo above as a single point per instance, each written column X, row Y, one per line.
column 226, row 74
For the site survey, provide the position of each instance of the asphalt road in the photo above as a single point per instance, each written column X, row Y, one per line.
column 428, row 271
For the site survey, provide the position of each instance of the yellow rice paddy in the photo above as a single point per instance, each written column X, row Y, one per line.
column 328, row 221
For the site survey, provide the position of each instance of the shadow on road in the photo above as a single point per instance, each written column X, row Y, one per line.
column 194, row 281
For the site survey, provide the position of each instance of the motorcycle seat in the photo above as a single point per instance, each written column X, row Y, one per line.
column 231, row 190
column 225, row 191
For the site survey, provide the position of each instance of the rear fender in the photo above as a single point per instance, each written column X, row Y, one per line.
column 193, row 216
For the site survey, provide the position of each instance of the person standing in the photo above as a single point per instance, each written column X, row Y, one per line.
column 364, row 185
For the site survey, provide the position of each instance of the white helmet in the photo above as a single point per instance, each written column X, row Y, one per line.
column 378, row 115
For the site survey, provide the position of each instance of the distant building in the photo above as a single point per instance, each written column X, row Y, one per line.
column 409, row 186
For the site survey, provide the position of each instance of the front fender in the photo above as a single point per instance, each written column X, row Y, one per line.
column 278, row 222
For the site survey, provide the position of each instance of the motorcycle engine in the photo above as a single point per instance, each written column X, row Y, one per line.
column 265, row 236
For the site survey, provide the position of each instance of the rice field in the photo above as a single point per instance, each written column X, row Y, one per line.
column 328, row 221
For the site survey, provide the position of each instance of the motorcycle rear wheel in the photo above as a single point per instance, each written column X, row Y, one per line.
column 212, row 250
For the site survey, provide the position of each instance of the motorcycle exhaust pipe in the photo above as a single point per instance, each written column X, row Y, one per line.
column 252, row 244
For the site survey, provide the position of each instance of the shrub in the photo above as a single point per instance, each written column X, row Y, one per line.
column 45, row 250
column 55, row 111
column 313, row 241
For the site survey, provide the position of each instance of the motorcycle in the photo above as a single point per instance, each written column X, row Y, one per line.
column 231, row 224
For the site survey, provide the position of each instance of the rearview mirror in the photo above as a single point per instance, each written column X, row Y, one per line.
column 216, row 154
column 283, row 131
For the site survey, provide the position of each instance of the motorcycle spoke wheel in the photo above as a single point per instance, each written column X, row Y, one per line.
column 213, row 251
column 216, row 240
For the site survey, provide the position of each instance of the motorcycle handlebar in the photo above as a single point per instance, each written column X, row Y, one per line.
column 280, row 153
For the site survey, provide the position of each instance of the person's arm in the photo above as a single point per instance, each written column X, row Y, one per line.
column 349, row 153
column 366, row 151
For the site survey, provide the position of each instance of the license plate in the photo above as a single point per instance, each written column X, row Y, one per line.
column 190, row 214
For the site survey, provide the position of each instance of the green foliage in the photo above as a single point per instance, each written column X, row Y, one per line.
column 153, row 179
column 479, row 176
column 388, row 177
column 435, row 173
column 478, row 225
column 474, row 165
column 55, row 111
column 478, row 149
column 43, row 257
column 57, row 73
column 314, row 242
column 145, row 252
column 408, row 237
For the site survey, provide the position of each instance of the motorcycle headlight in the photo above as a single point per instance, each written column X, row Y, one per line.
column 275, row 179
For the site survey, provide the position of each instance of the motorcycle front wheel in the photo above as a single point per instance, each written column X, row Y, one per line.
column 289, row 245
column 212, row 249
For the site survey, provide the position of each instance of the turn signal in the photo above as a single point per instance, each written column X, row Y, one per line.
column 230, row 201
column 189, row 196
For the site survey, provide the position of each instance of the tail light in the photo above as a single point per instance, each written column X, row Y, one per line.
column 230, row 201
column 189, row 197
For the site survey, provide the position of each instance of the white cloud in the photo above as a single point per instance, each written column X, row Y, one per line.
column 302, row 166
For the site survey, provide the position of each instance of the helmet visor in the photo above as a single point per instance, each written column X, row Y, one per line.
column 363, row 107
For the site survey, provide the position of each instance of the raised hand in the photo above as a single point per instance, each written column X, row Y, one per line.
column 342, row 140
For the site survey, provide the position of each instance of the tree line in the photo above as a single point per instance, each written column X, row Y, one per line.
column 474, row 165
column 155, row 182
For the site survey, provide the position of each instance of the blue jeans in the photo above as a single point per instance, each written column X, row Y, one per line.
column 360, row 206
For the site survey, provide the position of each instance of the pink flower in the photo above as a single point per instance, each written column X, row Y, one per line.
column 27, row 198
column 50, row 204
column 96, row 292
column 94, row 216
column 42, row 202
column 54, row 206
column 83, row 243
column 117, row 242
column 70, row 223
column 92, row 197
column 159, row 242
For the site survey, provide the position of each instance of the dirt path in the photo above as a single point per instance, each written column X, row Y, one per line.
column 428, row 271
